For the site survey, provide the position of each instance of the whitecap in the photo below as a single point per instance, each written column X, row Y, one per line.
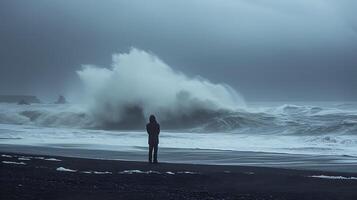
column 187, row 172
column 14, row 163
column 62, row 169
column 23, row 158
column 53, row 159
column 138, row 172
column 334, row 177
column 106, row 172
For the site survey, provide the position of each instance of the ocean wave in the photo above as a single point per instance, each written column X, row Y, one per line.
column 297, row 109
column 139, row 83
column 331, row 139
column 200, row 120
column 49, row 115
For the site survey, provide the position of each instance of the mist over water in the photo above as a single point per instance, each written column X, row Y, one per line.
column 139, row 84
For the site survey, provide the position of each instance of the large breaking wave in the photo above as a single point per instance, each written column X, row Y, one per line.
column 139, row 84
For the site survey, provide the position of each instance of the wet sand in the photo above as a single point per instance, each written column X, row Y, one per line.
column 28, row 176
column 334, row 163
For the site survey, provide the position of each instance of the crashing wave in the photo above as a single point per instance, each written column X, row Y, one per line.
column 139, row 84
column 240, row 121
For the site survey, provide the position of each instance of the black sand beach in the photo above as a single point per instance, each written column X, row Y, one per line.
column 47, row 177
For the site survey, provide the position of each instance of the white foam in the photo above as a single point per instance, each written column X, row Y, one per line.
column 53, row 159
column 106, row 172
column 131, row 172
column 96, row 172
column 6, row 156
column 154, row 172
column 14, row 163
column 23, row 158
column 62, row 169
column 187, row 172
column 334, row 177
column 138, row 172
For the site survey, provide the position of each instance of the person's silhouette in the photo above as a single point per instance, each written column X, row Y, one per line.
column 153, row 129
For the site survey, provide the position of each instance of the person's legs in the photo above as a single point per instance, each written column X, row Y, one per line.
column 156, row 148
column 151, row 147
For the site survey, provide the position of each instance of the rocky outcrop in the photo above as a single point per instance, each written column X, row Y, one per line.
column 61, row 100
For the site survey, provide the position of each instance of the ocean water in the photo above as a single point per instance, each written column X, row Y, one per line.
column 310, row 128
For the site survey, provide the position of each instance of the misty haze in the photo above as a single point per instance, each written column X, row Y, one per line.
column 242, row 92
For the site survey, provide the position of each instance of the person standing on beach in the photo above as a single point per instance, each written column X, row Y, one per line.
column 153, row 129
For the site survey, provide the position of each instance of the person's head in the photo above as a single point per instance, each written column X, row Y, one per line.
column 152, row 119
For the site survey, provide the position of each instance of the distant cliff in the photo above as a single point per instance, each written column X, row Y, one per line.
column 18, row 98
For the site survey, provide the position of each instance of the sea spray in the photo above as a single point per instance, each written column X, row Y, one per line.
column 139, row 84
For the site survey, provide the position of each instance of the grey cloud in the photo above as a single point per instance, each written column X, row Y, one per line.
column 267, row 50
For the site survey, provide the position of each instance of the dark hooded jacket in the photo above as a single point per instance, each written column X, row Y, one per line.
column 153, row 129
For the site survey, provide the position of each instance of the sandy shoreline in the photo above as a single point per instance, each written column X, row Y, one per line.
column 331, row 163
column 25, row 176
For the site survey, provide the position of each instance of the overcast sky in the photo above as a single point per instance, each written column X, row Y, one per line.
column 266, row 49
